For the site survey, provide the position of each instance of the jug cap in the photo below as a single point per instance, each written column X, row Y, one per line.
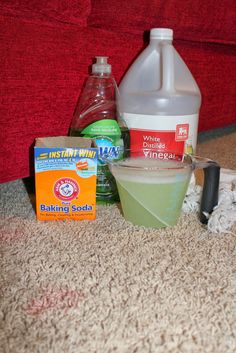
column 161, row 33
column 101, row 65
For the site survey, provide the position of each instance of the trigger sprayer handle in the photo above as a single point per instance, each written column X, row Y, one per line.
column 210, row 190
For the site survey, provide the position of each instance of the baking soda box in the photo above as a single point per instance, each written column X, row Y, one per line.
column 65, row 178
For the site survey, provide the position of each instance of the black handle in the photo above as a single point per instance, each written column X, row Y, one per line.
column 210, row 190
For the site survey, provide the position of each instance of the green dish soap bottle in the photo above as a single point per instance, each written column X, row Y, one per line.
column 96, row 117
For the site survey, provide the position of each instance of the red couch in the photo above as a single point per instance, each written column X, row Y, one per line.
column 46, row 47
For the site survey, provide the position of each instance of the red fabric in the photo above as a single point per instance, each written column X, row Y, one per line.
column 67, row 11
column 199, row 20
column 44, row 67
column 210, row 65
column 43, row 71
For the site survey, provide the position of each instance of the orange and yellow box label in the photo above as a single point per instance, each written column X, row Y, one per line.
column 65, row 180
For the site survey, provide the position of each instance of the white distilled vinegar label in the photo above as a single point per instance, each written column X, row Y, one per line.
column 170, row 136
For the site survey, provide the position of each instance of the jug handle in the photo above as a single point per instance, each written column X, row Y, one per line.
column 168, row 71
column 210, row 190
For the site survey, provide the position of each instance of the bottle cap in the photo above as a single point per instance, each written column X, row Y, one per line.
column 161, row 33
column 101, row 66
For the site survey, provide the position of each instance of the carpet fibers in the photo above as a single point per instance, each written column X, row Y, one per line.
column 108, row 286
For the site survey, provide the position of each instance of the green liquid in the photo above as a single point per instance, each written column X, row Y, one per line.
column 106, row 189
column 152, row 205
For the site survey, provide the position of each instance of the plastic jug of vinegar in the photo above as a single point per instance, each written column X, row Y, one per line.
column 160, row 100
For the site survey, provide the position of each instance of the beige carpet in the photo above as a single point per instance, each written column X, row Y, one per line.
column 107, row 286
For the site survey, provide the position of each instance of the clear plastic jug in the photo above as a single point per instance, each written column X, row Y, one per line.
column 160, row 100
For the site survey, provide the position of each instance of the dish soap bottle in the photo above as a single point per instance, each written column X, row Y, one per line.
column 96, row 118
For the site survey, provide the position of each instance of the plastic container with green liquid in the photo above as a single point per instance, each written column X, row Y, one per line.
column 96, row 117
